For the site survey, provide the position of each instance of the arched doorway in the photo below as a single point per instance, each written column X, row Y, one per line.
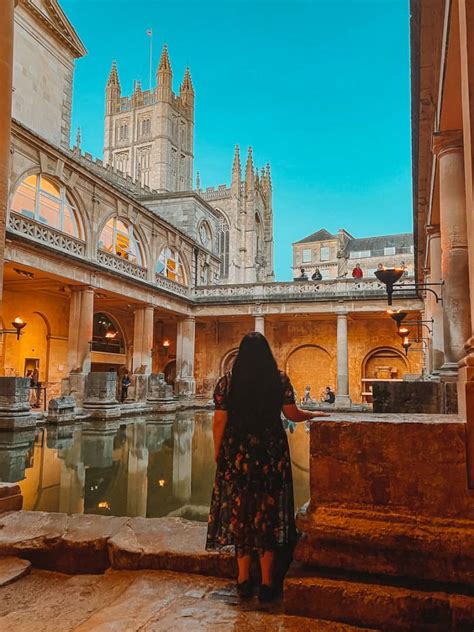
column 383, row 363
column 108, row 344
column 170, row 372
column 228, row 360
column 311, row 365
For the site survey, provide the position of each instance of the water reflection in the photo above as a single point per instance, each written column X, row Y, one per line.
column 136, row 467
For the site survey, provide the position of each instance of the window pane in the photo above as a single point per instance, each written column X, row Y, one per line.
column 24, row 199
column 69, row 223
column 325, row 253
column 49, row 187
column 306, row 255
column 389, row 251
column 106, row 238
column 49, row 211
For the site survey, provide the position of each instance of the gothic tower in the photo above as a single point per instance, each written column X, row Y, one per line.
column 150, row 135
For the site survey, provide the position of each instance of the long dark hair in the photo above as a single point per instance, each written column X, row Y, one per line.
column 255, row 394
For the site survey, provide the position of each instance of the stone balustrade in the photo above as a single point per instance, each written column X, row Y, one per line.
column 22, row 225
column 297, row 290
column 171, row 286
column 119, row 264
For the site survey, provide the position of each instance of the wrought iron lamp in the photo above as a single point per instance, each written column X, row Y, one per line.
column 389, row 276
column 18, row 324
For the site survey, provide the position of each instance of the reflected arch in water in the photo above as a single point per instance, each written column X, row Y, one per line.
column 310, row 365
column 228, row 360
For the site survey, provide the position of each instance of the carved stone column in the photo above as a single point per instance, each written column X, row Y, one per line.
column 436, row 309
column 260, row 324
column 342, row 391
column 143, row 339
column 454, row 254
column 81, row 317
column 185, row 381
column 6, row 76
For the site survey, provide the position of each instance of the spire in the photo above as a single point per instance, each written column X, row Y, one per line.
column 187, row 85
column 78, row 137
column 186, row 90
column 137, row 96
column 269, row 178
column 113, row 79
column 257, row 182
column 198, row 182
column 262, row 175
column 164, row 65
column 236, row 172
column 164, row 76
column 249, row 175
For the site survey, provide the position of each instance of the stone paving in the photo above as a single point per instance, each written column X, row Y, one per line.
column 149, row 601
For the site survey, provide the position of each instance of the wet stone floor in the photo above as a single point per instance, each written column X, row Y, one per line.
column 145, row 601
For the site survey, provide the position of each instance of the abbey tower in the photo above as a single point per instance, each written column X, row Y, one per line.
column 149, row 135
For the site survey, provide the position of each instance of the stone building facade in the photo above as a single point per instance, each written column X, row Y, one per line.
column 109, row 272
column 337, row 255
column 149, row 137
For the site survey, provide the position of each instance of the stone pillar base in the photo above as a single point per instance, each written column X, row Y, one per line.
column 342, row 402
column 100, row 395
column 15, row 413
column 185, row 387
column 75, row 384
column 449, row 372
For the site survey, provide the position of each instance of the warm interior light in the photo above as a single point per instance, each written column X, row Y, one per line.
column 166, row 343
column 18, row 323
column 111, row 334
column 103, row 504
column 403, row 331
column 18, row 320
column 162, row 482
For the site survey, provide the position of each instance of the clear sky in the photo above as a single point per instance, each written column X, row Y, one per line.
column 319, row 88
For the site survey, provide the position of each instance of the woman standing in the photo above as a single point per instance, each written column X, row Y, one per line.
column 252, row 502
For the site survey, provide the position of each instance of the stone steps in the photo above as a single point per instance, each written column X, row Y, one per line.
column 91, row 544
column 371, row 602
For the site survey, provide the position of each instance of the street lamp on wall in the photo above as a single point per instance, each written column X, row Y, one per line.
column 389, row 276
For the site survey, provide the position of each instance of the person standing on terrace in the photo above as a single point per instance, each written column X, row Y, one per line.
column 252, row 504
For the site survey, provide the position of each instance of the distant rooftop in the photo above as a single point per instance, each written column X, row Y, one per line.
column 320, row 235
column 400, row 240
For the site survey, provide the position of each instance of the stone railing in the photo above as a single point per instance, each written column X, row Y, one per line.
column 45, row 234
column 171, row 286
column 295, row 290
column 119, row 264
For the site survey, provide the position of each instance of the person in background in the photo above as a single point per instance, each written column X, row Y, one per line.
column 36, row 384
column 303, row 274
column 126, row 381
column 252, row 505
column 329, row 396
column 357, row 272
column 380, row 266
column 317, row 276
column 307, row 395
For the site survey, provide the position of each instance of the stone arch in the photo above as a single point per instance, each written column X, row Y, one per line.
column 184, row 260
column 227, row 360
column 138, row 233
column 78, row 209
column 305, row 366
column 117, row 325
column 170, row 372
column 390, row 356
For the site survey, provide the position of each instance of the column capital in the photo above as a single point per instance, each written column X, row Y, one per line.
column 447, row 142
column 433, row 230
column 341, row 311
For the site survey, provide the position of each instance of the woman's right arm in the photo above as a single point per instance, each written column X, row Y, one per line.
column 293, row 413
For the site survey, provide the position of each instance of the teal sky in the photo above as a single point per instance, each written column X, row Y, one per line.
column 320, row 89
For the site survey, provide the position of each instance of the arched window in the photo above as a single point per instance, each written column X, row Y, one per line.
column 170, row 265
column 224, row 248
column 106, row 335
column 205, row 235
column 46, row 201
column 118, row 238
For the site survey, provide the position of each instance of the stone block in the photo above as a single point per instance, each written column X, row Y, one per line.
column 61, row 410
column 138, row 389
column 14, row 449
column 11, row 498
column 12, row 568
column 14, row 404
column 373, row 603
column 158, row 389
column 168, row 544
column 389, row 495
column 100, row 395
column 414, row 397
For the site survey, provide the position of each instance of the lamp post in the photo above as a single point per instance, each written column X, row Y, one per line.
column 18, row 324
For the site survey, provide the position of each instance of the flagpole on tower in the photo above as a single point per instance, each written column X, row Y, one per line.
column 150, row 35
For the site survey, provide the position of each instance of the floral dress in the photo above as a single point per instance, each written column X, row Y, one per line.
column 252, row 505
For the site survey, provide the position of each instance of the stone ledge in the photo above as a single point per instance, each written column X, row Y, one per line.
column 391, row 544
column 9, row 489
column 362, row 601
column 12, row 568
column 91, row 544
